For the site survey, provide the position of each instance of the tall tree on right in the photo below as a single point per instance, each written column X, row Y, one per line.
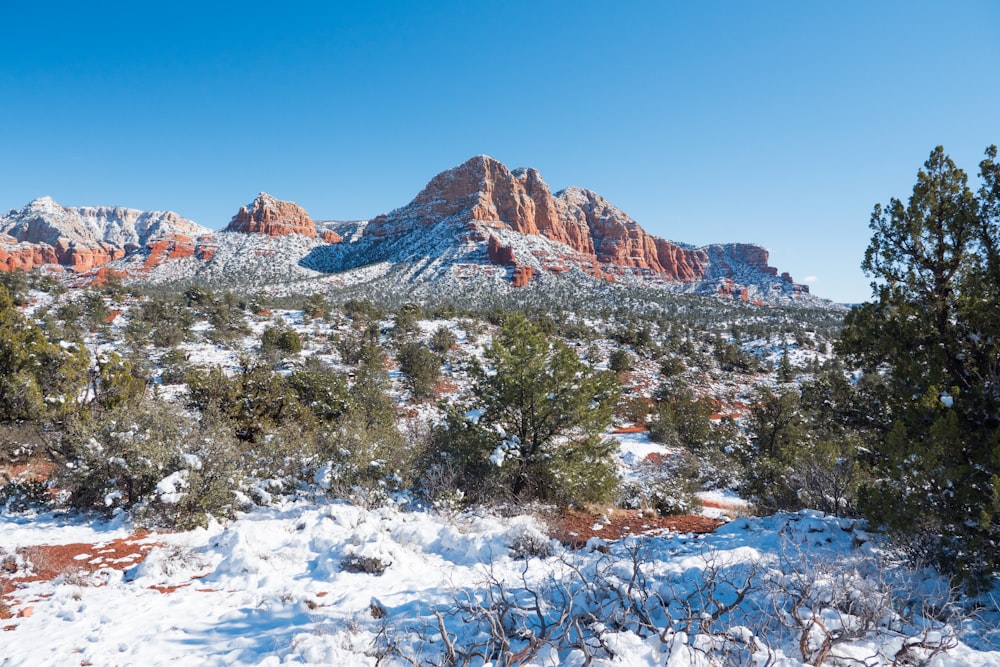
column 933, row 331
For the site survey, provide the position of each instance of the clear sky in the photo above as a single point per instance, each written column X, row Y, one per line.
column 780, row 123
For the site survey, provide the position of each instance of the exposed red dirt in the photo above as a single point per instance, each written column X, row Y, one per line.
column 642, row 428
column 33, row 469
column 573, row 527
column 73, row 561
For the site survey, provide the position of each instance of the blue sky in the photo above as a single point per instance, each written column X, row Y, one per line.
column 780, row 123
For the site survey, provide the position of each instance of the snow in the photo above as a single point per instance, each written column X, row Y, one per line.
column 324, row 582
column 286, row 585
column 633, row 448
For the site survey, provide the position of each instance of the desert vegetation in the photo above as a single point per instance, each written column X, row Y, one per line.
column 178, row 406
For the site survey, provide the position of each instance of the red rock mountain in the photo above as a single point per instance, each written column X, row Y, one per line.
column 83, row 237
column 483, row 193
column 477, row 224
column 267, row 215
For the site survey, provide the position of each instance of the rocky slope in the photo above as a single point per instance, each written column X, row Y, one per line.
column 483, row 213
column 476, row 224
column 270, row 216
column 81, row 238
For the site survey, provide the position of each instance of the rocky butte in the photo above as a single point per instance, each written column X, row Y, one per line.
column 467, row 223
column 273, row 217
column 81, row 238
column 485, row 195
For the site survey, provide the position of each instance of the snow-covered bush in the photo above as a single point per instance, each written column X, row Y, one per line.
column 117, row 460
column 666, row 485
column 19, row 495
column 155, row 462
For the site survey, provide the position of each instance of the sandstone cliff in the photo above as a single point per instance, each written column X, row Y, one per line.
column 483, row 194
column 273, row 217
column 81, row 237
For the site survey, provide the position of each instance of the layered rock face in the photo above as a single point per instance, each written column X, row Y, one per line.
column 83, row 237
column 503, row 255
column 482, row 191
column 273, row 217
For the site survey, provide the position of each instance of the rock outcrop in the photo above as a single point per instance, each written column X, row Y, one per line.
column 273, row 217
column 81, row 238
column 483, row 193
column 464, row 224
column 503, row 255
column 26, row 256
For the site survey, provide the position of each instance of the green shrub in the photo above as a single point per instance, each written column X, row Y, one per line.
column 20, row 495
column 442, row 340
column 117, row 460
column 421, row 367
column 280, row 338
column 620, row 361
column 538, row 424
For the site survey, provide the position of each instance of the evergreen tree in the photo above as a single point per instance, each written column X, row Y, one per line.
column 421, row 367
column 38, row 377
column 542, row 412
column 785, row 371
column 933, row 328
column 442, row 340
column 684, row 419
column 777, row 435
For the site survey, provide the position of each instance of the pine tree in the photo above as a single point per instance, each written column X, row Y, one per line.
column 421, row 367
column 38, row 377
column 541, row 415
column 933, row 328
column 785, row 371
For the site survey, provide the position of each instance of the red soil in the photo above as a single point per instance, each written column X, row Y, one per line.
column 573, row 528
column 74, row 561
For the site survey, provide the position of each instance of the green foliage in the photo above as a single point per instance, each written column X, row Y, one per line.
column 785, row 371
column 365, row 463
column 365, row 455
column 666, row 486
column 316, row 305
column 731, row 357
column 19, row 495
column 320, row 391
column 683, row 419
column 831, row 466
column 95, row 309
column 639, row 337
column 777, row 436
column 164, row 319
column 362, row 310
column 421, row 367
column 114, row 384
column 369, row 396
column 405, row 320
column 671, row 366
column 620, row 361
column 256, row 400
column 118, row 461
column 175, row 366
column 442, row 340
column 542, row 411
column 38, row 378
column 280, row 338
column 933, row 329
column 154, row 461
column 16, row 283
column 225, row 314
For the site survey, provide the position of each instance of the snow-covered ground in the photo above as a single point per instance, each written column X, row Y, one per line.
column 322, row 582
column 327, row 583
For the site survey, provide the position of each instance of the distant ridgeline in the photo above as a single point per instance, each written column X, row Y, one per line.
column 478, row 224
